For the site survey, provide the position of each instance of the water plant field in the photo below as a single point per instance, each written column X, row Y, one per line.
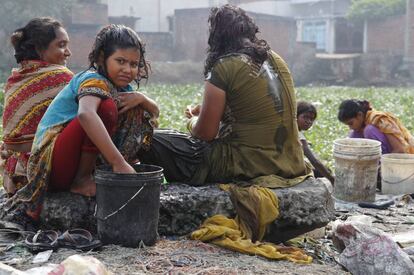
column 173, row 99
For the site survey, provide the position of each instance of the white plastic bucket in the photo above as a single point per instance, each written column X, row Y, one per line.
column 397, row 172
column 356, row 168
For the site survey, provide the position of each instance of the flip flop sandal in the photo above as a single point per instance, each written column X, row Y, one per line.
column 78, row 238
column 10, row 232
column 42, row 240
column 7, row 227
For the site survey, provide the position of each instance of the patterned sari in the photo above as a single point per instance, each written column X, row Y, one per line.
column 391, row 125
column 29, row 91
column 134, row 132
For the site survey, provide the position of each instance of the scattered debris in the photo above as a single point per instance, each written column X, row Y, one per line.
column 404, row 239
column 75, row 264
column 42, row 257
column 369, row 250
column 178, row 255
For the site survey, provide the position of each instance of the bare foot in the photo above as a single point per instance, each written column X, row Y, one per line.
column 84, row 186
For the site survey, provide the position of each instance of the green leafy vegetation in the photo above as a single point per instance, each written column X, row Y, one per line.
column 375, row 9
column 173, row 100
column 327, row 128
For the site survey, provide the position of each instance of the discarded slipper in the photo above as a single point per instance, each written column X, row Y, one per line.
column 11, row 226
column 11, row 232
column 42, row 240
column 78, row 238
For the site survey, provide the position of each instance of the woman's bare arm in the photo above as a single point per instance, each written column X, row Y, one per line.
column 96, row 131
column 212, row 109
column 316, row 162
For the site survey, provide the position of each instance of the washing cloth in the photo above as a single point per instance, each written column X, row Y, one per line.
column 256, row 207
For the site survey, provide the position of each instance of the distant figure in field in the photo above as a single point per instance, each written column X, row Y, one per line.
column 306, row 115
column 246, row 125
column 365, row 122
column 41, row 50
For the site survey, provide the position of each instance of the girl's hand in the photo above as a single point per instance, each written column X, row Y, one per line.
column 192, row 111
column 123, row 167
column 129, row 100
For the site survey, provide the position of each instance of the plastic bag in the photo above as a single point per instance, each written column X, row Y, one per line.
column 369, row 250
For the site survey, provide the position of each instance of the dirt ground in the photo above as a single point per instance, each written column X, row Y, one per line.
column 184, row 256
column 177, row 257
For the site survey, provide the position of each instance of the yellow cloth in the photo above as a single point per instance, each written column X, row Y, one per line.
column 256, row 207
column 389, row 124
column 301, row 241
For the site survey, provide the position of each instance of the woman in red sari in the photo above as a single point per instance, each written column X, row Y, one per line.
column 41, row 50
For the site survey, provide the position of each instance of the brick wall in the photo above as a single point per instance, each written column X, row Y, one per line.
column 89, row 14
column 386, row 35
column 81, row 40
column 82, row 25
column 303, row 63
column 379, row 68
column 279, row 32
column 158, row 45
column 238, row 2
column 191, row 33
column 411, row 41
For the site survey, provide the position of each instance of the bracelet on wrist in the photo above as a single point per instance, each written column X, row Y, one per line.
column 191, row 123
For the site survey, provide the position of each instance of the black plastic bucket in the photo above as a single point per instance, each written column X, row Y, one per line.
column 128, row 205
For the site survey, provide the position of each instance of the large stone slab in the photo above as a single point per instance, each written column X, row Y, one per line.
column 183, row 208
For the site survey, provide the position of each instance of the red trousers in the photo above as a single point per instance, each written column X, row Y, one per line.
column 72, row 142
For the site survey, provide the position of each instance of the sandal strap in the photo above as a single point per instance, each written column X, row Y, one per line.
column 82, row 232
column 48, row 234
column 79, row 232
column 36, row 236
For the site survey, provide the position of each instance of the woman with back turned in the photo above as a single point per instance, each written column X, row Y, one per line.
column 246, row 125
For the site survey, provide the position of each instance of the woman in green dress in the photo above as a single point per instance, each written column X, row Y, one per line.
column 246, row 126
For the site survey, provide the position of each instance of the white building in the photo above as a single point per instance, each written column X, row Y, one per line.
column 318, row 21
column 154, row 15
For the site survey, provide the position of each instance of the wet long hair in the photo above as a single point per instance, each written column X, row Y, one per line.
column 351, row 107
column 306, row 107
column 34, row 38
column 231, row 30
column 112, row 38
